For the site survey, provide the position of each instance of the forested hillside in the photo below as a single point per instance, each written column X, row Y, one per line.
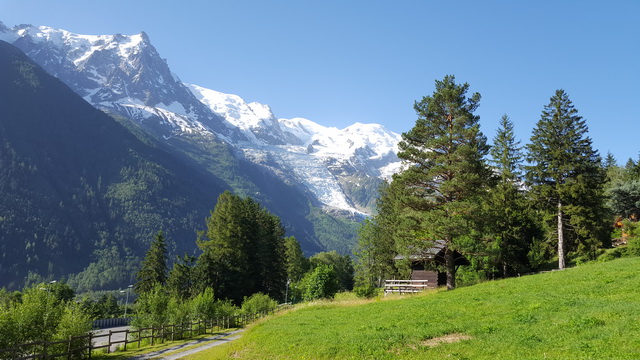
column 77, row 187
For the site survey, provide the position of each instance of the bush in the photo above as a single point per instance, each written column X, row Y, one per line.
column 612, row 254
column 74, row 322
column 204, row 305
column 632, row 230
column 258, row 303
column 38, row 314
column 179, row 311
column 365, row 291
column 321, row 283
column 151, row 308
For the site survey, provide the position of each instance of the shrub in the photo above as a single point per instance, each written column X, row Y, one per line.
column 74, row 322
column 258, row 303
column 151, row 308
column 204, row 305
column 365, row 291
column 632, row 230
column 321, row 283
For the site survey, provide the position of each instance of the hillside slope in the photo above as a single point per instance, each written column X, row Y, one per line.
column 588, row 312
column 77, row 187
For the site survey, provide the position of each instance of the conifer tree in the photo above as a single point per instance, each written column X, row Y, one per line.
column 154, row 266
column 297, row 264
column 224, row 264
column 447, row 174
column 181, row 278
column 243, row 251
column 382, row 236
column 506, row 209
column 566, row 177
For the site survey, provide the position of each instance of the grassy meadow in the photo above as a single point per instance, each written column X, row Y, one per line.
column 587, row 312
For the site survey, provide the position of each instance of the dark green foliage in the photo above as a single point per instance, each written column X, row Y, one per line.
column 365, row 291
column 243, row 251
column 106, row 307
column 341, row 264
column 380, row 237
column 447, row 173
column 334, row 232
column 154, row 266
column 297, row 264
column 566, row 179
column 508, row 217
column 181, row 277
column 61, row 291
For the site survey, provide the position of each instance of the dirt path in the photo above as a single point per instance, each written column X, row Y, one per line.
column 207, row 343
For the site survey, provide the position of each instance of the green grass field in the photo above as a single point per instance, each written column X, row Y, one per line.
column 587, row 312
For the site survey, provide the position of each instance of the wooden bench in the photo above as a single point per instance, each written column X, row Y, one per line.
column 406, row 286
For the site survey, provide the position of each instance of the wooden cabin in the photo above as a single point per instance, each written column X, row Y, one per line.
column 423, row 264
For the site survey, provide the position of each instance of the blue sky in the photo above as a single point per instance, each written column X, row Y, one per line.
column 340, row 62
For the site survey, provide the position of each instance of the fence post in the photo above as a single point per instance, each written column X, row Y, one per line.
column 69, row 347
column 90, row 343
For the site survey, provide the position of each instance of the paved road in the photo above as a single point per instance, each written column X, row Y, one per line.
column 103, row 340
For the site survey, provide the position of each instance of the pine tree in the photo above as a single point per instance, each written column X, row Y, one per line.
column 566, row 177
column 181, row 278
column 297, row 264
column 506, row 209
column 154, row 266
column 224, row 264
column 447, row 173
column 382, row 236
column 243, row 251
column 269, row 251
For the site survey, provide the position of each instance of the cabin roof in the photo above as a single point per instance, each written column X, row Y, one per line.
column 433, row 253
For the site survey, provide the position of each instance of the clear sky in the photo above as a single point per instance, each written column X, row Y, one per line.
column 338, row 62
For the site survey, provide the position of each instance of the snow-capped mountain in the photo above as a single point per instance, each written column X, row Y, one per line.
column 125, row 75
column 320, row 157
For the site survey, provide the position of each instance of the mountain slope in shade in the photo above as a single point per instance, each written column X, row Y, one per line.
column 77, row 187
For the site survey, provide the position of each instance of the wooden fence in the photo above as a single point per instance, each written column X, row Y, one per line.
column 81, row 347
column 406, row 286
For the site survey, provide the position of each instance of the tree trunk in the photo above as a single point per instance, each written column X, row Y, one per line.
column 560, row 237
column 449, row 262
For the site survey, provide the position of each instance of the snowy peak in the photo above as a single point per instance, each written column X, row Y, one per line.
column 122, row 74
column 255, row 120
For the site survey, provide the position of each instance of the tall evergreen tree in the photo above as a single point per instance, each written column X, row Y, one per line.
column 508, row 218
column 181, row 277
column 447, row 174
column 566, row 177
column 297, row 264
column 154, row 266
column 224, row 264
column 382, row 236
column 243, row 251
